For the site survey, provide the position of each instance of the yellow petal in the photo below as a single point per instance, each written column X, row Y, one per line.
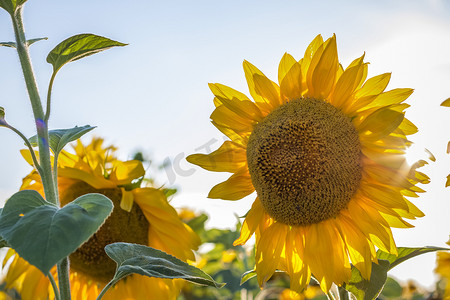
column 125, row 172
column 407, row 127
column 313, row 47
column 446, row 102
column 223, row 116
column 223, row 91
column 374, row 86
column 358, row 247
column 126, row 203
column 244, row 108
column 236, row 187
column 395, row 96
column 299, row 273
column 286, row 63
column 91, row 179
column 230, row 157
column 291, row 85
column 251, row 222
column 379, row 124
column 238, row 138
column 386, row 196
column 322, row 78
column 250, row 70
column 267, row 89
column 347, row 84
column 268, row 251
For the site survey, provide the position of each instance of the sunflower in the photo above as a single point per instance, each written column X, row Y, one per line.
column 141, row 215
column 443, row 269
column 324, row 151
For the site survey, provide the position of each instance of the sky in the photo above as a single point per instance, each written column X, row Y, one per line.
column 152, row 95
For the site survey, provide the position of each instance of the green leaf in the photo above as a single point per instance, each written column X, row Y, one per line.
column 32, row 41
column 368, row 289
column 59, row 138
column 11, row 5
column 78, row 46
column 9, row 44
column 3, row 243
column 405, row 253
column 198, row 223
column 247, row 276
column 392, row 289
column 143, row 260
column 2, row 116
column 14, row 45
column 42, row 233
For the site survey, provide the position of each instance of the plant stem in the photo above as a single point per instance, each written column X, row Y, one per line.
column 41, row 125
column 105, row 289
column 63, row 278
column 33, row 156
column 49, row 97
column 55, row 287
column 55, row 175
column 50, row 190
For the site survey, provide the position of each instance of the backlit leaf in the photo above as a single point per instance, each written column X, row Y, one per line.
column 368, row 289
column 147, row 261
column 405, row 253
column 11, row 5
column 78, row 46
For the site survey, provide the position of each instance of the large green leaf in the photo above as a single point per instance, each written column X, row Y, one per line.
column 405, row 253
column 59, row 138
column 42, row 233
column 368, row 289
column 143, row 260
column 78, row 46
column 11, row 5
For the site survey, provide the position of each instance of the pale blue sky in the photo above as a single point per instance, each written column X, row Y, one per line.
column 153, row 95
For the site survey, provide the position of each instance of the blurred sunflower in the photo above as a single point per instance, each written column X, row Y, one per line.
column 141, row 215
column 443, row 269
column 324, row 151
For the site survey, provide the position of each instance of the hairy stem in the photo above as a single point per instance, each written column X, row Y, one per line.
column 54, row 286
column 33, row 155
column 49, row 98
column 50, row 189
column 63, row 278
column 41, row 125
column 105, row 289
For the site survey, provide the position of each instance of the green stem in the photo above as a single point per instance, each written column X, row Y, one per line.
column 63, row 278
column 33, row 156
column 49, row 97
column 55, row 287
column 50, row 190
column 105, row 289
column 41, row 125
column 55, row 175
